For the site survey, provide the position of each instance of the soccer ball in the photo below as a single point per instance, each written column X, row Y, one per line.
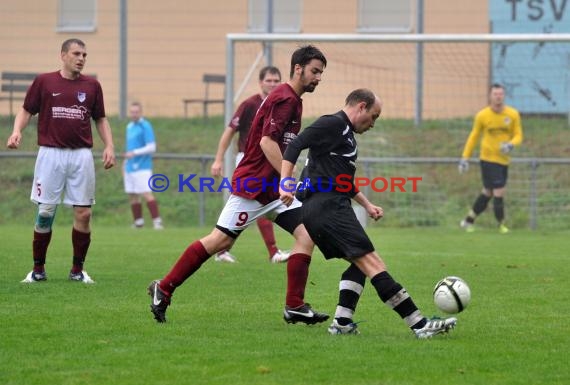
column 451, row 295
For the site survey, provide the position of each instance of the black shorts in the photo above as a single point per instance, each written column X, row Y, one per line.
column 333, row 226
column 289, row 220
column 494, row 175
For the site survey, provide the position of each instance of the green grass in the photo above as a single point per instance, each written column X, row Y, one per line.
column 225, row 323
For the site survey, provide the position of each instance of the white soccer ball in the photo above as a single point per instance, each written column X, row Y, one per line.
column 451, row 295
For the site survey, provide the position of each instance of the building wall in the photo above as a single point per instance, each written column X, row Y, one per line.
column 172, row 43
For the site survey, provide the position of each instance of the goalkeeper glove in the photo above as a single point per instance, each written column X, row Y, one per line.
column 506, row 147
column 463, row 166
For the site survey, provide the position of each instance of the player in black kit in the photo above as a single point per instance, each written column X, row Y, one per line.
column 331, row 222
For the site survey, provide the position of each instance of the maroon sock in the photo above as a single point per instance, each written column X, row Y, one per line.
column 190, row 261
column 153, row 208
column 297, row 275
column 266, row 230
column 39, row 250
column 81, row 242
column 136, row 209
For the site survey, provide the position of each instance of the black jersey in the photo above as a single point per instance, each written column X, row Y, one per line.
column 332, row 154
column 329, row 218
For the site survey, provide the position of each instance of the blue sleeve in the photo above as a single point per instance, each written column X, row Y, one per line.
column 148, row 133
column 127, row 137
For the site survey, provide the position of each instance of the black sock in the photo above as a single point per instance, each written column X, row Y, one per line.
column 349, row 290
column 398, row 299
column 479, row 206
column 499, row 208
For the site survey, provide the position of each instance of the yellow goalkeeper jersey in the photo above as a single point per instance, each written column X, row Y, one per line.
column 495, row 128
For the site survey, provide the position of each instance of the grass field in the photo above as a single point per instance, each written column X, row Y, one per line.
column 225, row 323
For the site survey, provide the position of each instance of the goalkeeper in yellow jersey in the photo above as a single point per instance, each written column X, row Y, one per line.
column 498, row 129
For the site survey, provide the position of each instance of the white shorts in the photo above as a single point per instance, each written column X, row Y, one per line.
column 239, row 212
column 66, row 171
column 239, row 157
column 137, row 182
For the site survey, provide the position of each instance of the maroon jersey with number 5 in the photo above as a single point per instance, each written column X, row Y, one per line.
column 65, row 109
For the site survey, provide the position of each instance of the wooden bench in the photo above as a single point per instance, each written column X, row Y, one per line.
column 208, row 80
column 16, row 84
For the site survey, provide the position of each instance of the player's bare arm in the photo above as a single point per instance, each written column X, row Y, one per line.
column 22, row 119
column 104, row 130
column 375, row 212
column 272, row 152
column 286, row 195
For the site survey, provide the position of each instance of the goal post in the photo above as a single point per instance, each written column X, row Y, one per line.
column 461, row 57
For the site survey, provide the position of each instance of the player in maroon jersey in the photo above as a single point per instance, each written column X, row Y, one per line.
column 66, row 101
column 276, row 123
column 269, row 78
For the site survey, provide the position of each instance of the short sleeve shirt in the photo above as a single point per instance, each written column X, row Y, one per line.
column 278, row 117
column 65, row 109
column 138, row 135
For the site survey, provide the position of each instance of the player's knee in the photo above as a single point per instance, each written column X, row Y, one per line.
column 45, row 217
column 83, row 214
column 217, row 240
column 303, row 240
column 148, row 197
column 226, row 243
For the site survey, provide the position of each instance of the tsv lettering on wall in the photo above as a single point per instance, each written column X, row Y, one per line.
column 536, row 75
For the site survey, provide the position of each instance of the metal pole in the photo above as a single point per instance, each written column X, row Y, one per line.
column 230, row 155
column 123, row 60
column 202, row 196
column 533, row 195
column 419, row 64
column 268, row 46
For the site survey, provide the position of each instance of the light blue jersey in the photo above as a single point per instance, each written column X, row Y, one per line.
column 139, row 134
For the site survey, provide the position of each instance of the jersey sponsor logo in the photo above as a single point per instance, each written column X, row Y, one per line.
column 56, row 93
column 288, row 137
column 497, row 130
column 81, row 96
column 73, row 112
